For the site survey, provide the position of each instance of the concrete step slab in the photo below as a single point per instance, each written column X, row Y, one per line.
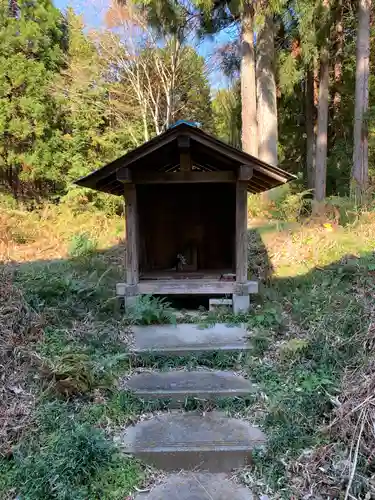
column 197, row 486
column 178, row 385
column 189, row 441
column 184, row 339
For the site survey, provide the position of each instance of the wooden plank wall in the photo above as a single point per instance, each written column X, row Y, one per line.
column 173, row 216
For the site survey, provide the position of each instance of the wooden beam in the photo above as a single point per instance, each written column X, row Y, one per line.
column 124, row 174
column 222, row 149
column 245, row 173
column 182, row 177
column 185, row 161
column 190, row 287
column 131, row 221
column 183, row 143
column 186, row 287
column 241, row 232
column 255, row 181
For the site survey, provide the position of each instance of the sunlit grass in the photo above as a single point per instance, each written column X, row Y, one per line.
column 47, row 234
column 295, row 252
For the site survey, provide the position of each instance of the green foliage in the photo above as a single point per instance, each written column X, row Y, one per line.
column 7, row 202
column 92, row 134
column 290, row 72
column 119, row 408
column 194, row 92
column 282, row 203
column 303, row 32
column 301, row 375
column 69, row 375
column 298, row 405
column 31, row 44
column 65, row 292
column 148, row 310
column 226, row 107
column 64, row 113
column 80, row 200
column 82, row 245
column 75, row 461
column 6, row 476
column 293, row 348
column 55, row 289
column 65, row 466
column 305, row 331
column 260, row 342
column 165, row 16
column 290, row 207
column 71, row 367
column 218, row 360
column 266, row 317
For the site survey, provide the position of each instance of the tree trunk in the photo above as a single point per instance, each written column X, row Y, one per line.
column 13, row 8
column 310, row 128
column 248, row 84
column 145, row 124
column 266, row 93
column 321, row 141
column 339, row 45
column 360, row 151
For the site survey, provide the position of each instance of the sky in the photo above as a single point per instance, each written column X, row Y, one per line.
column 93, row 14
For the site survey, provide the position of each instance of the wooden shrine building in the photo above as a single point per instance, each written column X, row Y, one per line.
column 186, row 213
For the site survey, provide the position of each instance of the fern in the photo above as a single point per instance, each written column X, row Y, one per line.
column 149, row 310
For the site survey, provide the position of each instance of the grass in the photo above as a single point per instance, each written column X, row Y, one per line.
column 323, row 284
column 65, row 449
column 310, row 331
column 148, row 310
column 66, row 458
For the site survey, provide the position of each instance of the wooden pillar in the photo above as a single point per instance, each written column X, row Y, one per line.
column 131, row 221
column 183, row 143
column 241, row 231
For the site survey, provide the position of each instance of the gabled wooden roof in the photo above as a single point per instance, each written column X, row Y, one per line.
column 207, row 154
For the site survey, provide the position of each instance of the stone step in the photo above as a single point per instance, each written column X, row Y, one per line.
column 184, row 339
column 178, row 385
column 189, row 441
column 197, row 487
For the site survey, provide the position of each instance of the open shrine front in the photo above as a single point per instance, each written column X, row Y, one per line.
column 186, row 230
column 186, row 214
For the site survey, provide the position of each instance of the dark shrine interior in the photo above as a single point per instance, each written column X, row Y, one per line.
column 186, row 230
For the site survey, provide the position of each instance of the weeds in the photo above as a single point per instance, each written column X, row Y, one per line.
column 81, row 245
column 301, row 368
column 149, row 310
column 74, row 462
column 118, row 408
column 311, row 335
column 76, row 357
column 69, row 375
column 21, row 329
column 218, row 360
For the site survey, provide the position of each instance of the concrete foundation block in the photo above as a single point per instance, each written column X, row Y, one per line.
column 129, row 301
column 241, row 303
